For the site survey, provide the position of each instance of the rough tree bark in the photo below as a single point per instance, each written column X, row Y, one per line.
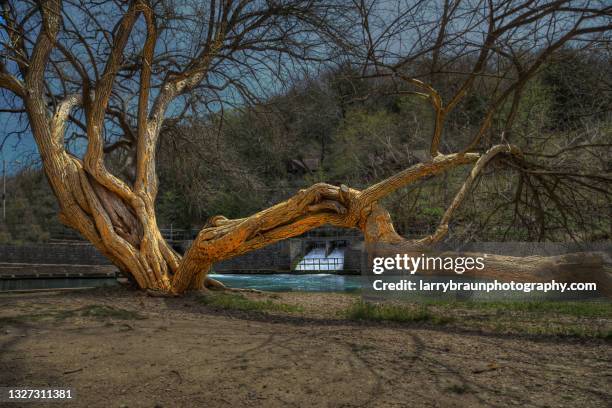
column 118, row 217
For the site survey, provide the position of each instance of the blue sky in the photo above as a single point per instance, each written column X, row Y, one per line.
column 24, row 149
column 12, row 150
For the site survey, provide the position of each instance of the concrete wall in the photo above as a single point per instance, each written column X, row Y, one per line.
column 353, row 258
column 50, row 253
column 273, row 258
column 278, row 257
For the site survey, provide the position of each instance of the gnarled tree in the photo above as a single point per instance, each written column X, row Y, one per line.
column 96, row 78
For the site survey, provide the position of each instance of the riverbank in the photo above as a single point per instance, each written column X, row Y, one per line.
column 118, row 347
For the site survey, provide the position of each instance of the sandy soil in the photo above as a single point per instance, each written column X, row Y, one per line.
column 178, row 353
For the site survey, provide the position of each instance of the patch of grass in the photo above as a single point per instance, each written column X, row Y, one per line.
column 540, row 318
column 559, row 319
column 102, row 312
column 577, row 309
column 353, row 291
column 235, row 301
column 395, row 313
column 570, row 331
column 15, row 320
column 94, row 311
column 30, row 317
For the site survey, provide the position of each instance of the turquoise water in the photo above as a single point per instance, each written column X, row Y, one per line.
column 320, row 282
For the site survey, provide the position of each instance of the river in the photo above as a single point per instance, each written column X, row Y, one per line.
column 320, row 282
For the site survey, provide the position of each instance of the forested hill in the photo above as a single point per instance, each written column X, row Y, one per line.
column 338, row 128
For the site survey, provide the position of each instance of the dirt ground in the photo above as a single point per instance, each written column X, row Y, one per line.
column 120, row 348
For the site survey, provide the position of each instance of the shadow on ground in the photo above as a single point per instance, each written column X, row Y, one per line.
column 121, row 348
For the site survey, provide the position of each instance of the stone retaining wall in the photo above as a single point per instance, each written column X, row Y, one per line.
column 52, row 253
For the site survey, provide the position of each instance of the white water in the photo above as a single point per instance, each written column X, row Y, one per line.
column 315, row 260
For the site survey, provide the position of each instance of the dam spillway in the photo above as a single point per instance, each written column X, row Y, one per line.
column 318, row 260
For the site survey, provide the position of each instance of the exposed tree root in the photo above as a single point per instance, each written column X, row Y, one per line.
column 213, row 284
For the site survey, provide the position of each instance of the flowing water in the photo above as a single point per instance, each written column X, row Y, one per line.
column 318, row 260
column 320, row 282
